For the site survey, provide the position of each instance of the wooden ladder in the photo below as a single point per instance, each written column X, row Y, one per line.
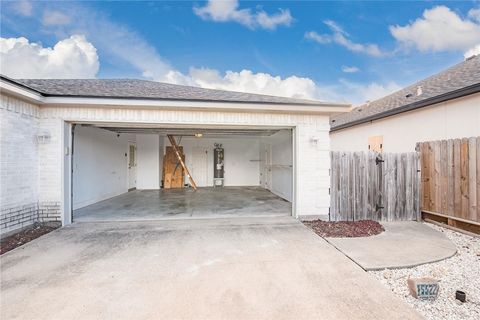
column 179, row 157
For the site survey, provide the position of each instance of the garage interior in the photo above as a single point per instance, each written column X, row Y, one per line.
column 128, row 173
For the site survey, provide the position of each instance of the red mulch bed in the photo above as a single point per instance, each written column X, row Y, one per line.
column 345, row 229
column 24, row 236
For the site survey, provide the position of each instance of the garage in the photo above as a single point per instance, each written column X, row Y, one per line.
column 100, row 150
column 128, row 173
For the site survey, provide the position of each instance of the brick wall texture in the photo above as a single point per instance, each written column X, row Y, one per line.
column 21, row 203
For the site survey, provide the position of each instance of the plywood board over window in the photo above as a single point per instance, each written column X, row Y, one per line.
column 375, row 143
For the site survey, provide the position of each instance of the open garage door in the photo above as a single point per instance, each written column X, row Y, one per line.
column 239, row 172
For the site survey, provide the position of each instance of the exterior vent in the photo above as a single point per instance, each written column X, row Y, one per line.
column 419, row 91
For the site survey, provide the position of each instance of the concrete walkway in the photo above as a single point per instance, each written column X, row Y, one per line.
column 262, row 268
column 402, row 245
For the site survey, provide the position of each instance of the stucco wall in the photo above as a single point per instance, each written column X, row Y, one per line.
column 312, row 142
column 451, row 119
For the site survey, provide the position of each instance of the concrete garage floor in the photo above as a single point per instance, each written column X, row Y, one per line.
column 186, row 203
column 254, row 268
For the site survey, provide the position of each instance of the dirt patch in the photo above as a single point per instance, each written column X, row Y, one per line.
column 345, row 229
column 24, row 236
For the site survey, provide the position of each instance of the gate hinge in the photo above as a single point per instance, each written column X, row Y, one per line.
column 378, row 160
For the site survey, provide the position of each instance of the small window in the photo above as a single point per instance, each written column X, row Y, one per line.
column 375, row 143
column 131, row 157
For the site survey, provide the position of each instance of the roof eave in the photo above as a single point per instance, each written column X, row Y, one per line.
column 202, row 105
column 24, row 92
column 413, row 106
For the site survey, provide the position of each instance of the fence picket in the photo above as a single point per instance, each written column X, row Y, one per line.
column 455, row 189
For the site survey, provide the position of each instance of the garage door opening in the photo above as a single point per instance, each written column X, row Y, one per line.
column 127, row 173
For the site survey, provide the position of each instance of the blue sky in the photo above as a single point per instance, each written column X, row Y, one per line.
column 344, row 51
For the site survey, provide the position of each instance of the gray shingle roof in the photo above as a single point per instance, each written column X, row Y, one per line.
column 461, row 79
column 143, row 89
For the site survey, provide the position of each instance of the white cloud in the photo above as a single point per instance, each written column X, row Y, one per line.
column 340, row 37
column 292, row 86
column 439, row 29
column 474, row 14
column 227, row 10
column 23, row 8
column 351, row 69
column 117, row 43
column 74, row 57
column 320, row 38
column 53, row 18
column 472, row 52
column 362, row 92
column 270, row 22
column 248, row 81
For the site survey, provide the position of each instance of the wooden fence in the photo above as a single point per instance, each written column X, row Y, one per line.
column 450, row 179
column 369, row 185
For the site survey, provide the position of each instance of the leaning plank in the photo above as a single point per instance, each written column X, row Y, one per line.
column 179, row 157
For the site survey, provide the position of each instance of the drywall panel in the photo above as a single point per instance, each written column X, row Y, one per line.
column 452, row 119
column 279, row 169
column 148, row 161
column 99, row 165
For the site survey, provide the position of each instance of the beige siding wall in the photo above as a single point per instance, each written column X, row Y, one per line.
column 452, row 119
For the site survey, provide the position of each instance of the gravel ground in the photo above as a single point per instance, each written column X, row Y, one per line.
column 460, row 272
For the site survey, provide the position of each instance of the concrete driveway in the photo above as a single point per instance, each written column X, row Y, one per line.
column 262, row 268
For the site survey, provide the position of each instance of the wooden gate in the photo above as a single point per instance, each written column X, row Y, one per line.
column 451, row 180
column 376, row 186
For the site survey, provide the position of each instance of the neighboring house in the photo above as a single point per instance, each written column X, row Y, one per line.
column 117, row 131
column 443, row 106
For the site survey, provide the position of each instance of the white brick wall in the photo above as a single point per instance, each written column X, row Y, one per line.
column 20, row 164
